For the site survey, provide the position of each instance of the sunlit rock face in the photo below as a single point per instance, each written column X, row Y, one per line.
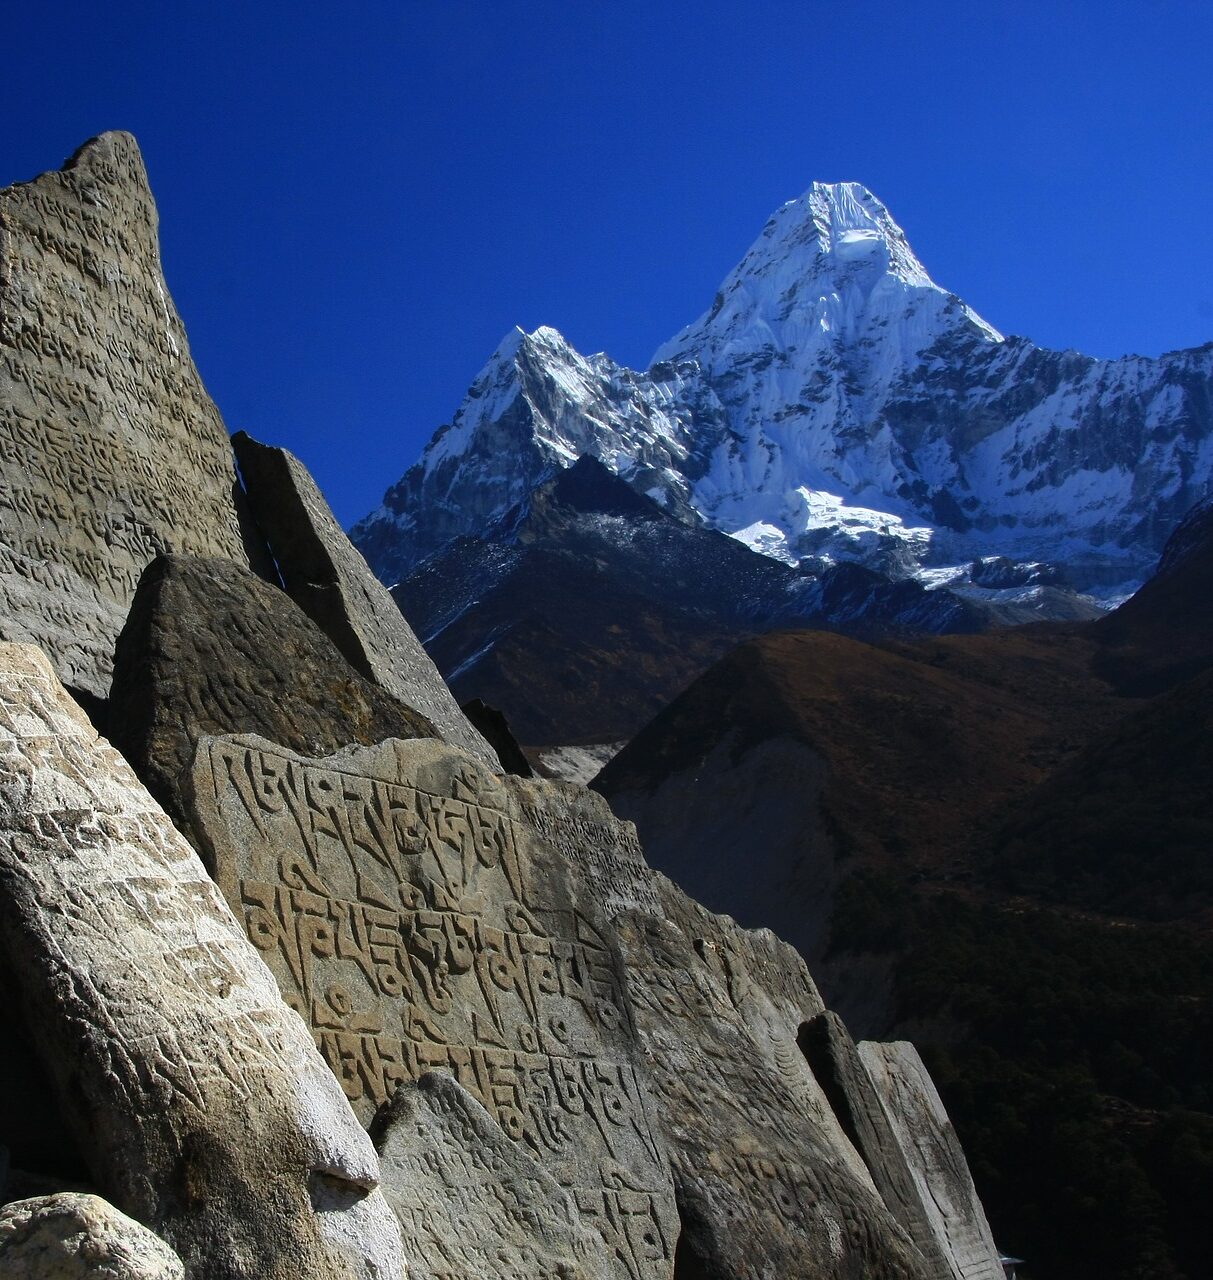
column 197, row 1097
column 835, row 403
column 111, row 451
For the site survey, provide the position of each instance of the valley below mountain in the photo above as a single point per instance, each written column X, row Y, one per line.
column 998, row 846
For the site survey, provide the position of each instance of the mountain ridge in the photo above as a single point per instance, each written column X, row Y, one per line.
column 834, row 403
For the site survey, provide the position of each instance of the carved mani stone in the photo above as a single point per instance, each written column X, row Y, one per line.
column 419, row 921
column 470, row 1202
column 327, row 577
column 110, row 449
column 768, row 1184
column 836, row 1063
column 935, row 1158
column 80, row 1237
column 198, row 1099
column 211, row 648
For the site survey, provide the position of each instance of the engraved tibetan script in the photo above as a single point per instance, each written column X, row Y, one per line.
column 393, row 892
column 110, row 449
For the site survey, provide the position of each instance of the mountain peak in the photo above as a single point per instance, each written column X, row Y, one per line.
column 853, row 226
column 833, row 263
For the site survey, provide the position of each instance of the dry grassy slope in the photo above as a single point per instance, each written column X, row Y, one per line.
column 926, row 742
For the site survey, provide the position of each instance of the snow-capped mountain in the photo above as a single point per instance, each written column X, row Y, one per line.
column 834, row 403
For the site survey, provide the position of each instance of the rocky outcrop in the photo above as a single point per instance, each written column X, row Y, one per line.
column 198, row 1100
column 419, row 922
column 472, row 1203
column 111, row 452
column 80, row 1237
column 950, row 1232
column 211, row 648
column 932, row 1153
column 424, row 914
column 570, row 1068
column 330, row 581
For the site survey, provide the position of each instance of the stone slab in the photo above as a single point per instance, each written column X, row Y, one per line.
column 935, row 1158
column 111, row 451
column 424, row 914
column 767, row 1182
column 211, row 648
column 196, row 1096
column 419, row 922
column 835, row 1061
column 470, row 1202
column 330, row 581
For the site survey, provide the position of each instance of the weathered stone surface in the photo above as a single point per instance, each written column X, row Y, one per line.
column 470, row 1202
column 331, row 582
column 424, row 914
column 767, row 1183
column 196, row 1096
column 80, row 1237
column 211, row 648
column 419, row 922
column 111, row 452
column 935, row 1159
column 835, row 1061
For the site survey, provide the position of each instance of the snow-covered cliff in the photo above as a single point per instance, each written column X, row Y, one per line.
column 835, row 403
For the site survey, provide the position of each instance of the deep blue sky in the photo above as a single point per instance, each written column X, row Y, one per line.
column 359, row 200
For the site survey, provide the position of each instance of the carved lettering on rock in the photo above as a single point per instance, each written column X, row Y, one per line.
column 110, row 449
column 392, row 891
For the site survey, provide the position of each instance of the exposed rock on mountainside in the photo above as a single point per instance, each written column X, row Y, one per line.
column 972, row 839
column 113, row 452
column 622, row 1070
column 657, row 601
column 834, row 402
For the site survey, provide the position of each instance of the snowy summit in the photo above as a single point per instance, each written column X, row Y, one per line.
column 835, row 403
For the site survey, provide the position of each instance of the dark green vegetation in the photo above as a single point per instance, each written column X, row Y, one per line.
column 1077, row 1074
column 1019, row 833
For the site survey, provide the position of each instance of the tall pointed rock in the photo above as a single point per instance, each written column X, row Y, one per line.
column 328, row 579
column 111, row 451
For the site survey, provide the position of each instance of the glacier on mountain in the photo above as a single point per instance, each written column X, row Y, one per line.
column 835, row 404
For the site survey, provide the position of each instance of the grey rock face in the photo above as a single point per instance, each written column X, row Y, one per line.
column 330, row 581
column 767, row 1183
column 934, row 1157
column 197, row 1098
column 80, row 1237
column 211, row 648
column 470, row 1202
column 419, row 922
column 426, row 915
column 111, row 452
column 864, row 1115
